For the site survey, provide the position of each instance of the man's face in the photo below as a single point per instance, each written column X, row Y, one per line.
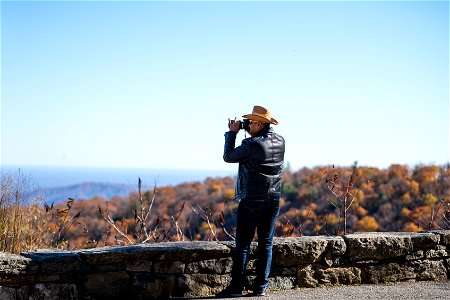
column 254, row 127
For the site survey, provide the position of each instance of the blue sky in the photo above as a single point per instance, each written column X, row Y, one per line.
column 151, row 84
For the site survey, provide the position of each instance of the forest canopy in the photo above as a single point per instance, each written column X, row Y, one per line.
column 398, row 198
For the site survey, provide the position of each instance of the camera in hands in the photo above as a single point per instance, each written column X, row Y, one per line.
column 244, row 124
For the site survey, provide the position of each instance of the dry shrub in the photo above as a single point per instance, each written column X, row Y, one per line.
column 23, row 222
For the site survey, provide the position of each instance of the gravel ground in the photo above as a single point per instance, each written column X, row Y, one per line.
column 406, row 290
column 425, row 290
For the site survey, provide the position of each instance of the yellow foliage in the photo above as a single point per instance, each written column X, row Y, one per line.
column 317, row 228
column 405, row 212
column 215, row 187
column 305, row 212
column 430, row 200
column 414, row 186
column 359, row 196
column 205, row 228
column 406, row 198
column 367, row 223
column 331, row 219
column 411, row 227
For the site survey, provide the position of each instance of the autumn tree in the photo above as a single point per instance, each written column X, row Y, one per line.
column 367, row 223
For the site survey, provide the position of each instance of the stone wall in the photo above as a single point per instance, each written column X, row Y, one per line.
column 193, row 269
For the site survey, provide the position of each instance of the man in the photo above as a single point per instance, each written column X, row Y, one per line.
column 258, row 188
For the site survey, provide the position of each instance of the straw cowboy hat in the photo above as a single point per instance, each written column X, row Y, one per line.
column 262, row 114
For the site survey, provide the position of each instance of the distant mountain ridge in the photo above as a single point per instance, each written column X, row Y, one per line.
column 86, row 190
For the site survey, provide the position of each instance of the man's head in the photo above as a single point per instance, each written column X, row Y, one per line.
column 259, row 119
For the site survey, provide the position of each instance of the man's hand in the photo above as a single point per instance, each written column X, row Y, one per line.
column 234, row 125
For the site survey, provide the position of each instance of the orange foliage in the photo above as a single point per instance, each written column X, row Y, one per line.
column 411, row 227
column 367, row 223
column 360, row 211
column 428, row 174
column 228, row 194
column 396, row 171
column 394, row 199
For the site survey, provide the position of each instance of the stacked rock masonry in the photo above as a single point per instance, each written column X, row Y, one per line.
column 195, row 269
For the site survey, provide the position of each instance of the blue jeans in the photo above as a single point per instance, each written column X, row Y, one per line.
column 259, row 215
